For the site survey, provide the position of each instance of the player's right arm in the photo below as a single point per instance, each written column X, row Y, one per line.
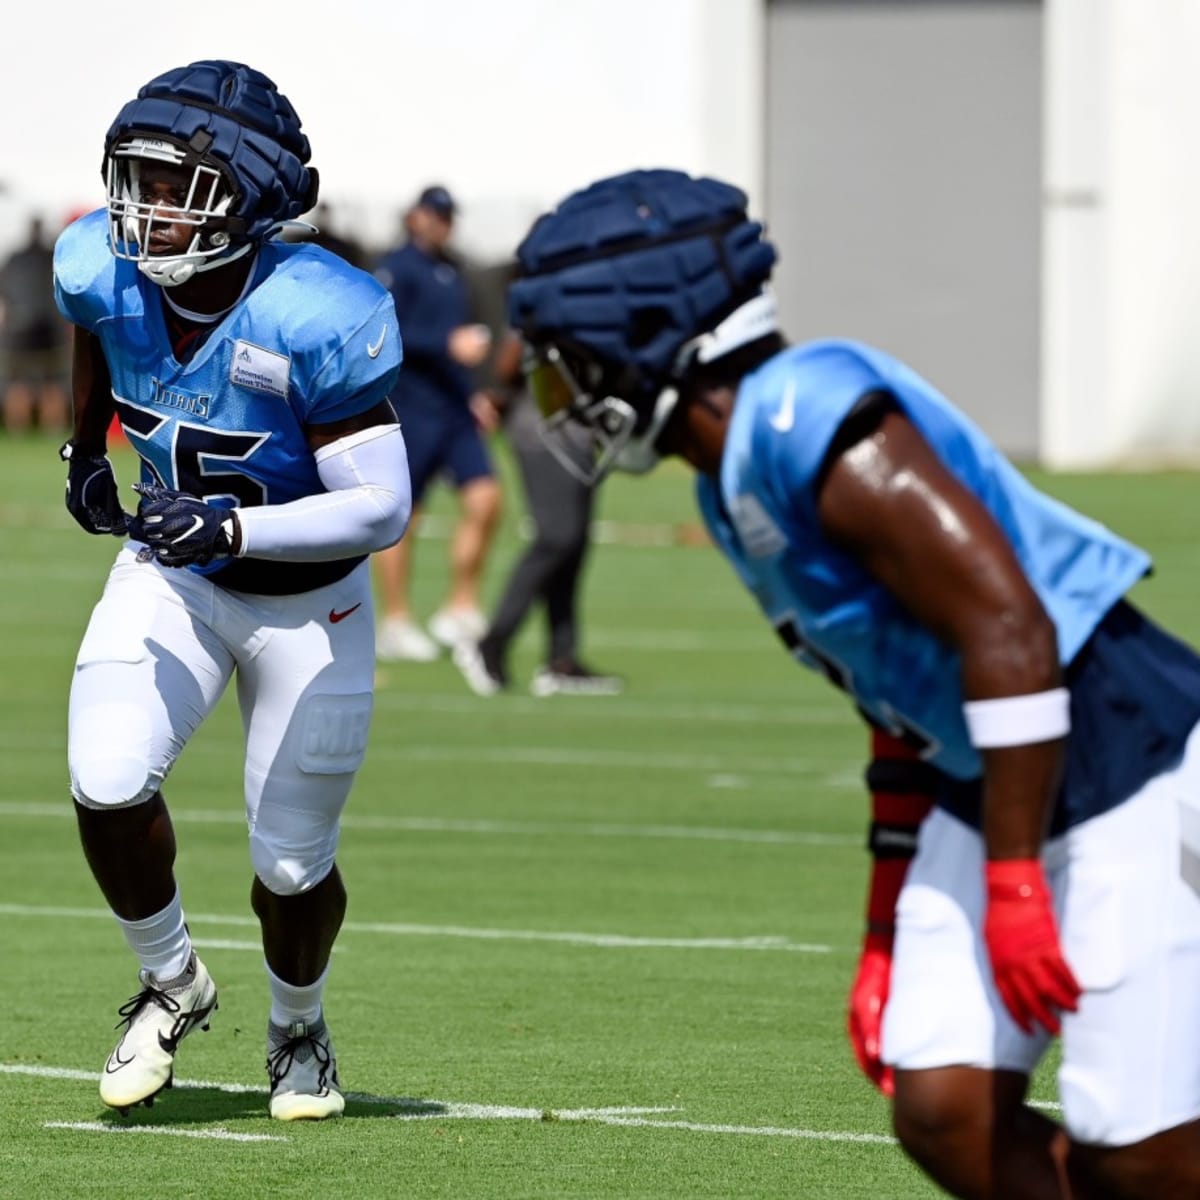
column 888, row 500
column 91, row 486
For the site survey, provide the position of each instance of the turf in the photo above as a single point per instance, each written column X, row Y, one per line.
column 595, row 947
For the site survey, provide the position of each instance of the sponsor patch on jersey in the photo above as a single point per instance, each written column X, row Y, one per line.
column 760, row 536
column 262, row 370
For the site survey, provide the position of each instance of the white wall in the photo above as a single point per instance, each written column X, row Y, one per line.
column 510, row 104
column 1121, row 298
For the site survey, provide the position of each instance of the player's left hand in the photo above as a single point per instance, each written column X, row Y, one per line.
column 92, row 497
column 181, row 530
column 1021, row 935
column 865, row 1016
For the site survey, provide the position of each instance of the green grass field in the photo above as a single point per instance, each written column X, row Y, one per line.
column 595, row 947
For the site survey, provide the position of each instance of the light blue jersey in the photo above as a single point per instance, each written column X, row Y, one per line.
column 763, row 514
column 313, row 341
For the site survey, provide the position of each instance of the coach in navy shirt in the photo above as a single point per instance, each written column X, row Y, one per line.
column 442, row 422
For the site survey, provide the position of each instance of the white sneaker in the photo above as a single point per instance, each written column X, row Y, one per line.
column 157, row 1019
column 302, row 1067
column 573, row 679
column 452, row 626
column 485, row 676
column 402, row 640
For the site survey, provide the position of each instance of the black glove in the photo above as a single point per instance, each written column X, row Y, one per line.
column 180, row 529
column 92, row 492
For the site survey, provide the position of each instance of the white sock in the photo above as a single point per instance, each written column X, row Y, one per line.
column 161, row 942
column 295, row 1002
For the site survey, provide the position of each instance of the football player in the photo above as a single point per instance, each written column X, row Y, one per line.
column 252, row 378
column 982, row 628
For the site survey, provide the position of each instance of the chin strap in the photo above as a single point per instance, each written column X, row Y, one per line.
column 174, row 271
column 747, row 323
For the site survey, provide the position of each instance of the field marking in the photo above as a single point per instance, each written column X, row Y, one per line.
column 217, row 1133
column 815, row 1135
column 532, row 756
column 416, row 1109
column 221, row 944
column 620, row 709
column 605, row 941
column 588, row 829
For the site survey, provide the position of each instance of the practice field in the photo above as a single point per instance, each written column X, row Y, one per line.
column 595, row 947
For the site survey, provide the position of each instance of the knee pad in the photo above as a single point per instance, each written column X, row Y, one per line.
column 107, row 763
column 288, row 863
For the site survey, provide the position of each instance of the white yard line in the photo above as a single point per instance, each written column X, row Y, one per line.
column 815, row 1135
column 623, row 708
column 414, row 1109
column 600, row 940
column 215, row 1134
column 223, row 944
column 585, row 829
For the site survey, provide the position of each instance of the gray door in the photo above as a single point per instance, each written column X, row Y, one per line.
column 903, row 188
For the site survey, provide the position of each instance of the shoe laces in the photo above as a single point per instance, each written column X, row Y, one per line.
column 129, row 1011
column 280, row 1060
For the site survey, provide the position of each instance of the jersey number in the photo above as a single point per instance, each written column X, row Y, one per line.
column 196, row 457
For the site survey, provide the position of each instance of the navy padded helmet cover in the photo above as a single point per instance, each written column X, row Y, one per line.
column 254, row 129
column 635, row 265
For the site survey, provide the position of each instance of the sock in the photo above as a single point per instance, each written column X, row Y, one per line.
column 295, row 1002
column 161, row 942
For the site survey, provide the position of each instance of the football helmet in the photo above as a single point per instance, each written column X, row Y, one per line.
column 622, row 289
column 213, row 148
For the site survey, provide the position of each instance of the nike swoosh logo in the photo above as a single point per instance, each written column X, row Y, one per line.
column 785, row 416
column 335, row 617
column 197, row 524
column 373, row 348
column 109, row 1069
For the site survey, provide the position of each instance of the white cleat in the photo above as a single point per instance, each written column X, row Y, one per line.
column 302, row 1068
column 453, row 626
column 157, row 1019
column 402, row 640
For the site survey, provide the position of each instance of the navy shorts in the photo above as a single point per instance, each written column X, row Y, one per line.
column 442, row 438
column 1135, row 698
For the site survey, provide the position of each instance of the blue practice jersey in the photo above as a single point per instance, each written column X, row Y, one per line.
column 762, row 512
column 314, row 340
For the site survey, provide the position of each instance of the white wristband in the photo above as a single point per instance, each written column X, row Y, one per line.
column 1019, row 720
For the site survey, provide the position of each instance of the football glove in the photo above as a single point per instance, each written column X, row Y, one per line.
column 1031, row 975
column 92, row 492
column 180, row 530
column 865, row 1016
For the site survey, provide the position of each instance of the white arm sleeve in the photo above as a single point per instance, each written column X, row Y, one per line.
column 366, row 508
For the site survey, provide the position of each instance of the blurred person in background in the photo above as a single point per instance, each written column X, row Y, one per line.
column 560, row 503
column 982, row 629
column 252, row 378
column 34, row 366
column 444, row 419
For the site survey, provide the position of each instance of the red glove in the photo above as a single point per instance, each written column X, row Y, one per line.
column 865, row 1018
column 1021, row 935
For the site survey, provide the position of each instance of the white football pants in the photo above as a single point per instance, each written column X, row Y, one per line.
column 1130, row 929
column 159, row 650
